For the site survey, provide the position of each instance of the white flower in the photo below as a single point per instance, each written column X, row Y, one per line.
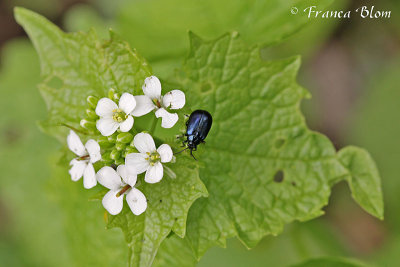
column 152, row 99
column 83, row 164
column 113, row 200
column 149, row 159
column 113, row 117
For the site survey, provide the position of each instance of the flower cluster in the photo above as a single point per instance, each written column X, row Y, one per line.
column 113, row 116
column 141, row 155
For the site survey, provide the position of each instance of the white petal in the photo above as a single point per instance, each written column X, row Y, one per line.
column 127, row 103
column 175, row 98
column 152, row 87
column 165, row 152
column 127, row 124
column 109, row 178
column 75, row 144
column 128, row 174
column 137, row 161
column 168, row 119
column 77, row 169
column 154, row 173
column 136, row 201
column 93, row 149
column 107, row 126
column 144, row 143
column 105, row 107
column 144, row 105
column 89, row 177
column 112, row 203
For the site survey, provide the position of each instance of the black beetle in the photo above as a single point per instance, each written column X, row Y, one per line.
column 197, row 128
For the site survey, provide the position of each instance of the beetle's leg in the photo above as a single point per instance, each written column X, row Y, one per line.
column 180, row 151
column 184, row 143
column 191, row 153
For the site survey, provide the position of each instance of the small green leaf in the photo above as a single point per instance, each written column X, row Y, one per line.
column 364, row 181
column 375, row 127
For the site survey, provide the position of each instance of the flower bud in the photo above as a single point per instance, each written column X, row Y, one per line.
column 113, row 95
column 124, row 138
column 105, row 143
column 91, row 114
column 92, row 101
column 119, row 161
column 129, row 150
column 106, row 156
column 89, row 125
column 120, row 146
column 115, row 154
column 112, row 138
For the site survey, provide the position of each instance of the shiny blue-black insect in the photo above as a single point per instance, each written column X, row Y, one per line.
column 197, row 128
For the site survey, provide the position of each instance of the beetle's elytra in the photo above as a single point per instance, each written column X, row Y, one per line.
column 197, row 128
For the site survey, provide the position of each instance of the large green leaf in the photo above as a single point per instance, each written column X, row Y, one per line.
column 259, row 134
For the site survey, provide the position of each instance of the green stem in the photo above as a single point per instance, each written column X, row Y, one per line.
column 153, row 126
column 73, row 128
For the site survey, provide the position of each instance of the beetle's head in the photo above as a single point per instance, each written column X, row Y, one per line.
column 191, row 145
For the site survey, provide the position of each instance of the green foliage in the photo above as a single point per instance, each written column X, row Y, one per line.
column 48, row 220
column 83, row 17
column 25, row 205
column 331, row 262
column 169, row 202
column 87, row 241
column 158, row 28
column 258, row 133
column 77, row 65
column 364, row 180
column 85, row 66
column 299, row 241
column 375, row 127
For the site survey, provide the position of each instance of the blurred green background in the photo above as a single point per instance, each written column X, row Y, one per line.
column 351, row 67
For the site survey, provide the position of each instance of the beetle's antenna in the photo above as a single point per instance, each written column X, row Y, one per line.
column 181, row 151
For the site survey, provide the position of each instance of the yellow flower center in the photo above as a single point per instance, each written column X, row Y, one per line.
column 119, row 115
column 153, row 157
